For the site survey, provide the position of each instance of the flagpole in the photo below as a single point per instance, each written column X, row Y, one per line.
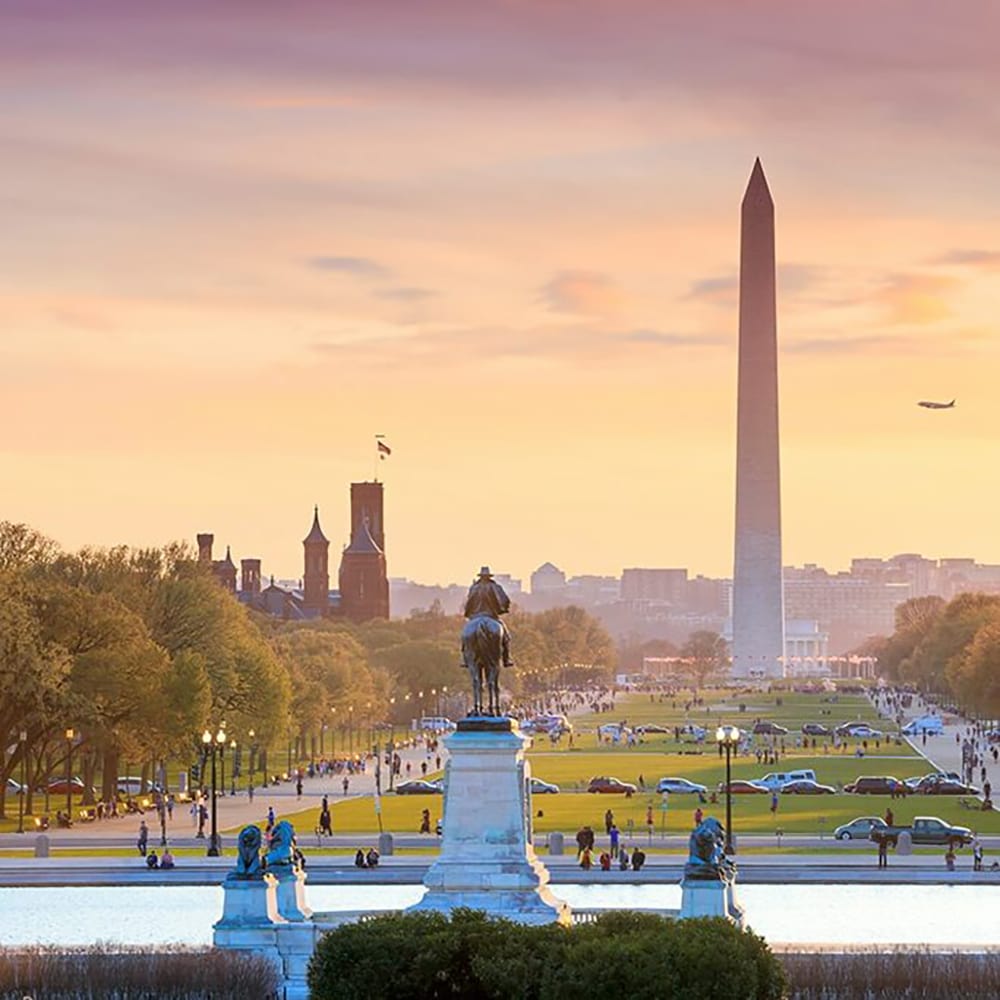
column 377, row 454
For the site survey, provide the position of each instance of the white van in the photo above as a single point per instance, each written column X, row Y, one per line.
column 435, row 724
column 777, row 780
column 929, row 724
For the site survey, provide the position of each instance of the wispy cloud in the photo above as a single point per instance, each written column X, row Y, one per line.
column 360, row 267
column 586, row 293
column 986, row 260
column 844, row 345
column 404, row 294
column 720, row 291
column 916, row 299
column 659, row 338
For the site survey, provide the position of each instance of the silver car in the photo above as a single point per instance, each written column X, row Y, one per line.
column 858, row 829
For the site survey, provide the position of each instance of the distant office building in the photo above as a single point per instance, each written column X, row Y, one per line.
column 547, row 578
column 665, row 586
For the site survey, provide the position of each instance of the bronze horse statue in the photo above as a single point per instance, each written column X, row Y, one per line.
column 482, row 653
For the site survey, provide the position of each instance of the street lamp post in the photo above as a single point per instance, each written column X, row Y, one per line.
column 214, row 748
column 232, row 780
column 69, row 775
column 253, row 762
column 350, row 731
column 728, row 738
column 23, row 740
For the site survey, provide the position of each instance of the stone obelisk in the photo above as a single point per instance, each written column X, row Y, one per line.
column 758, row 598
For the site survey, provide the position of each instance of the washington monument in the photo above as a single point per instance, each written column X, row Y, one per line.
column 758, row 598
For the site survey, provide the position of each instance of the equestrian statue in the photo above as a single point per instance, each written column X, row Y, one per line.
column 485, row 641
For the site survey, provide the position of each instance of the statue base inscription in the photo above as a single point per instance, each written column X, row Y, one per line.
column 487, row 860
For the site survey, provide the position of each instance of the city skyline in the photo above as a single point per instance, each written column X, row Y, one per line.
column 265, row 239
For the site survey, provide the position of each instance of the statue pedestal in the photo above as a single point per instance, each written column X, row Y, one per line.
column 487, row 860
column 711, row 898
column 250, row 919
column 291, row 893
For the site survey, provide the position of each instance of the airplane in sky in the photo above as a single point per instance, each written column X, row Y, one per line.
column 931, row 405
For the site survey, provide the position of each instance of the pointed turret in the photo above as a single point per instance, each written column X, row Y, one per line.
column 315, row 532
column 316, row 578
column 363, row 541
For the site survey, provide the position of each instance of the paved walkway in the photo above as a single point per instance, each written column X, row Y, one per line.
column 233, row 810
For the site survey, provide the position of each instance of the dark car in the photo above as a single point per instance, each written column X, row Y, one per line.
column 805, row 787
column 57, row 786
column 738, row 787
column 651, row 727
column 419, row 787
column 769, row 729
column 945, row 786
column 884, row 785
column 610, row 786
column 815, row 729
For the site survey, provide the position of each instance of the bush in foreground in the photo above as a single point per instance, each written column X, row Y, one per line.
column 426, row 956
column 116, row 973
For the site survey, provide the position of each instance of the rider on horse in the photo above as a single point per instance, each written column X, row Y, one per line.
column 487, row 597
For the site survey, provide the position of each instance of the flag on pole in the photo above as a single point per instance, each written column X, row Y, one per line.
column 383, row 449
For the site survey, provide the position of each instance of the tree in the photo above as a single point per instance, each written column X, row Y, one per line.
column 705, row 653
column 974, row 675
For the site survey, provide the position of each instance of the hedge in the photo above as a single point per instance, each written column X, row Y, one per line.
column 426, row 956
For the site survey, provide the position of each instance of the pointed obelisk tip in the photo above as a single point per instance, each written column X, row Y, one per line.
column 757, row 189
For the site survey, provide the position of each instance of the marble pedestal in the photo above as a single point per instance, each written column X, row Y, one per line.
column 291, row 893
column 711, row 898
column 487, row 860
column 250, row 919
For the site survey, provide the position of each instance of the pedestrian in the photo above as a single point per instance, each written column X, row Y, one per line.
column 585, row 859
column 614, row 835
column 883, row 852
column 346, row 783
column 774, row 803
column 270, row 819
column 143, row 837
column 987, row 788
column 609, row 820
column 425, row 821
column 977, row 855
column 298, row 786
column 170, row 807
column 605, row 860
column 888, row 817
column 623, row 860
column 638, row 858
column 698, row 816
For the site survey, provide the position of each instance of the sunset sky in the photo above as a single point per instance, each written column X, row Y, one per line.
column 240, row 238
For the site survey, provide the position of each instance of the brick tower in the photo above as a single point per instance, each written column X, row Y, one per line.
column 364, row 585
column 316, row 572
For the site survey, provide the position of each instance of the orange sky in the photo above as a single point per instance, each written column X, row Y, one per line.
column 239, row 241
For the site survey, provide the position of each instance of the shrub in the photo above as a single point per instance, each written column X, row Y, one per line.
column 117, row 973
column 427, row 955
column 892, row 974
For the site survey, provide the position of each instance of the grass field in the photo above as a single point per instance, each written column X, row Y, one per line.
column 661, row 756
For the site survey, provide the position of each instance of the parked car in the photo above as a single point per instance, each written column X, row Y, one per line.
column 134, row 786
column 435, row 724
column 739, row 787
column 58, row 786
column 14, row 787
column 614, row 730
column 679, row 786
column 807, row 787
column 417, row 786
column 815, row 729
column 539, row 787
column 926, row 830
column 651, row 727
column 913, row 783
column 858, row 730
column 932, row 725
column 884, row 785
column 693, row 731
column 548, row 723
column 610, row 786
column 769, row 729
column 777, row 780
column 858, row 829
column 944, row 786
